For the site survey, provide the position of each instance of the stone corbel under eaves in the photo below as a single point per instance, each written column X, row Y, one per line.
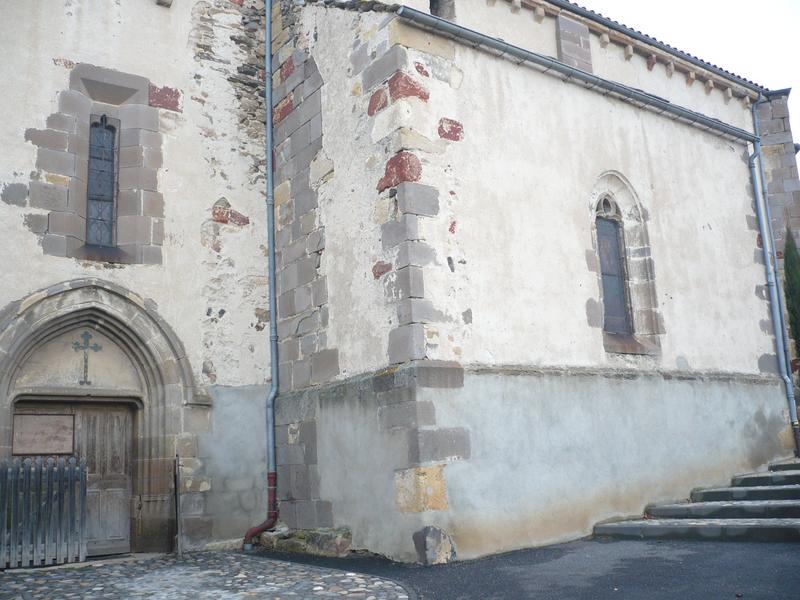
column 650, row 53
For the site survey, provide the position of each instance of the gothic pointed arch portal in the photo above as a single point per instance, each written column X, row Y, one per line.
column 89, row 342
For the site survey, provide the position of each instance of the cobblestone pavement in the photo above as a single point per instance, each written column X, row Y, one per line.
column 204, row 575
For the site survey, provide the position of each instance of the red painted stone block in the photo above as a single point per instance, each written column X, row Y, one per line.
column 165, row 97
column 421, row 69
column 378, row 102
column 403, row 166
column 221, row 212
column 64, row 62
column 401, row 85
column 452, row 228
column 380, row 268
column 283, row 109
column 287, row 69
column 451, row 130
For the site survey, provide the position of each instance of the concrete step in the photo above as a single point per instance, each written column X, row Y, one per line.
column 786, row 465
column 771, row 530
column 767, row 478
column 764, row 492
column 742, row 509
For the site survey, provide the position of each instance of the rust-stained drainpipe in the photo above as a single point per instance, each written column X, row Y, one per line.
column 272, row 476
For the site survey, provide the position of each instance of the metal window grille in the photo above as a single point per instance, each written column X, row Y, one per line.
column 102, row 183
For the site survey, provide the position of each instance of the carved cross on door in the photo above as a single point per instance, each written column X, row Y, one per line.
column 77, row 346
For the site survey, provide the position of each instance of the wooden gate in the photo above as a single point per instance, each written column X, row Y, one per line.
column 42, row 512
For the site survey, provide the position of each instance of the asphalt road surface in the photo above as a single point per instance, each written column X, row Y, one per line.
column 601, row 570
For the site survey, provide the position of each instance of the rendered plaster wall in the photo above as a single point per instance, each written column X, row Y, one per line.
column 213, row 271
column 553, row 453
column 496, row 460
column 232, row 453
column 383, row 495
column 514, row 233
column 525, row 28
column 498, row 164
column 360, row 316
column 208, row 283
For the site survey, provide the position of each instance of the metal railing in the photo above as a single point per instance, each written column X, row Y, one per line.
column 42, row 512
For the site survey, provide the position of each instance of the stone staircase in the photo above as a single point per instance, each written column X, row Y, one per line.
column 756, row 507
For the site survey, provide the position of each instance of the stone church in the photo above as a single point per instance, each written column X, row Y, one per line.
column 527, row 268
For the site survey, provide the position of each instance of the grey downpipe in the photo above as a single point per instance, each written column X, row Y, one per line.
column 764, row 215
column 771, row 232
column 520, row 55
column 272, row 476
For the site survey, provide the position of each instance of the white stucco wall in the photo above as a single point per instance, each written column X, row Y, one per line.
column 499, row 19
column 205, row 159
column 517, row 193
column 360, row 317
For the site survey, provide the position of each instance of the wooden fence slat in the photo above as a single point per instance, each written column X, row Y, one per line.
column 26, row 512
column 4, row 473
column 14, row 513
column 42, row 511
column 37, row 521
column 48, row 514
column 71, row 511
column 84, row 476
column 58, row 503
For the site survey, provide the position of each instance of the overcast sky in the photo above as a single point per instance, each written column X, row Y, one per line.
column 758, row 40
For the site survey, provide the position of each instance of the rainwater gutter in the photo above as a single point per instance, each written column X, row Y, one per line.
column 661, row 106
column 777, row 309
column 272, row 475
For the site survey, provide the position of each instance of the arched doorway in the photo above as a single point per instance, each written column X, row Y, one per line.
column 86, row 361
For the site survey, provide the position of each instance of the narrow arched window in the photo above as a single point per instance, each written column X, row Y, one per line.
column 610, row 244
column 102, row 183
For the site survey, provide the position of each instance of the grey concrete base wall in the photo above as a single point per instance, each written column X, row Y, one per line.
column 427, row 463
column 232, row 456
column 364, row 454
column 554, row 453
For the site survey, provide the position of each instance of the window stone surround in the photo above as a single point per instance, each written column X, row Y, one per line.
column 646, row 320
column 59, row 183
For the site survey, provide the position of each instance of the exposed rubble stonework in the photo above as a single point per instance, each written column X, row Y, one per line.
column 780, row 155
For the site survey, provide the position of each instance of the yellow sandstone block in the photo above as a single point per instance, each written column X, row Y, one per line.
column 411, row 37
column 420, row 488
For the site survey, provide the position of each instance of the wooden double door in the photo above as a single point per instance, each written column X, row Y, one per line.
column 103, row 434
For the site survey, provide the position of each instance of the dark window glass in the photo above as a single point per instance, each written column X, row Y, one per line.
column 615, row 302
column 102, row 184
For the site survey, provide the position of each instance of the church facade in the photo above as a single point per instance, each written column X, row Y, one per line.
column 521, row 279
